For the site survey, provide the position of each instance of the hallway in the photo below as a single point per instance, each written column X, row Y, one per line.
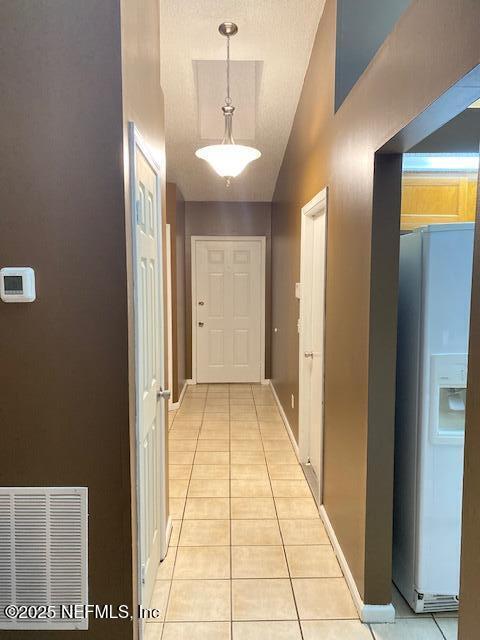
column 249, row 558
column 248, row 551
column 279, row 201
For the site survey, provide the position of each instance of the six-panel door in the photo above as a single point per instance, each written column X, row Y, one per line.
column 149, row 373
column 229, row 305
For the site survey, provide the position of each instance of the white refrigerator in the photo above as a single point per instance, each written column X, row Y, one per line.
column 433, row 326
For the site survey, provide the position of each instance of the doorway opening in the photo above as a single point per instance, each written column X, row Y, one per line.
column 313, row 261
column 425, row 206
column 439, row 193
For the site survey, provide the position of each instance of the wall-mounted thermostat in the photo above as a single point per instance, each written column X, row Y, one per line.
column 17, row 284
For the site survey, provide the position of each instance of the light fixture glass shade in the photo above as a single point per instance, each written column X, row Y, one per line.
column 228, row 160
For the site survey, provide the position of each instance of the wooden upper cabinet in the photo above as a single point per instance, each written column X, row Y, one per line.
column 429, row 198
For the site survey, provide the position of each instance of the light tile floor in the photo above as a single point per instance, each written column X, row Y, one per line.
column 249, row 558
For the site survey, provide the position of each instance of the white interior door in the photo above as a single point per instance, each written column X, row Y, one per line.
column 150, row 368
column 229, row 303
column 312, row 328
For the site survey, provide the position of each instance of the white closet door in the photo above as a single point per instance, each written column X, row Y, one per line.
column 312, row 330
column 316, row 362
column 149, row 369
column 228, row 310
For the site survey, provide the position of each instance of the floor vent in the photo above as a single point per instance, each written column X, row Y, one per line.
column 43, row 558
column 436, row 603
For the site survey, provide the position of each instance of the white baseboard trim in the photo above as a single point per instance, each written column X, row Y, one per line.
column 285, row 421
column 190, row 381
column 182, row 392
column 380, row 613
column 176, row 405
column 367, row 612
column 168, row 534
column 265, row 381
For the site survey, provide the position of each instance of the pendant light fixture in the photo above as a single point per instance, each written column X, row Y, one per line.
column 228, row 159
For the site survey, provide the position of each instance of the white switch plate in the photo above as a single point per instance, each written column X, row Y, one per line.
column 298, row 290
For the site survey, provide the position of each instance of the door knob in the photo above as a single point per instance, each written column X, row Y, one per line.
column 201, row 303
column 200, row 324
column 308, row 354
column 164, row 393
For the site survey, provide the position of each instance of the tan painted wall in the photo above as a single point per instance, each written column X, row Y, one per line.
column 64, row 409
column 72, row 74
column 434, row 44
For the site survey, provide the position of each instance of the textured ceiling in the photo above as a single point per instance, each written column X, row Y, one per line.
column 276, row 36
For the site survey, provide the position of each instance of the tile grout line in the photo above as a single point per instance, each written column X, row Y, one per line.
column 439, row 627
column 280, row 530
column 181, row 519
column 230, row 480
column 169, row 547
column 266, row 578
column 342, row 577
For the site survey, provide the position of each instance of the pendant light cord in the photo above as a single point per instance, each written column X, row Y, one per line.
column 228, row 99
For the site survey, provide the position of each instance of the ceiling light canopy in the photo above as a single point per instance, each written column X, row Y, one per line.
column 228, row 159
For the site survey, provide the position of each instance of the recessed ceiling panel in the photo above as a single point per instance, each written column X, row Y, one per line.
column 269, row 54
column 210, row 78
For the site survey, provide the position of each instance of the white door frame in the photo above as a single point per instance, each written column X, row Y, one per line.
column 313, row 209
column 262, row 241
column 136, row 143
column 168, row 256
